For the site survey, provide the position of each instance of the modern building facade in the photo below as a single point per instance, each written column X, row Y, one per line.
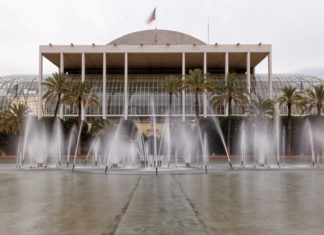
column 137, row 62
column 127, row 74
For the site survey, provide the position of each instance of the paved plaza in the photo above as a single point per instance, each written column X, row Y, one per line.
column 221, row 202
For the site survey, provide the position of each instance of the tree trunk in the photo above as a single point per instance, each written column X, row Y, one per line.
column 289, row 130
column 57, row 105
column 170, row 106
column 79, row 124
column 197, row 103
column 229, row 126
column 170, row 114
column 319, row 109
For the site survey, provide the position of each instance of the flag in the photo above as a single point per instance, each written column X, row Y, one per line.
column 152, row 16
column 16, row 90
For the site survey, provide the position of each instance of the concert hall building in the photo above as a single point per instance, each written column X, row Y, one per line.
column 127, row 74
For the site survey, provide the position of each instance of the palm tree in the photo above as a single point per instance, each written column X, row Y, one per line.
column 12, row 119
column 228, row 93
column 261, row 108
column 289, row 97
column 314, row 98
column 80, row 94
column 171, row 85
column 56, row 86
column 100, row 127
column 197, row 81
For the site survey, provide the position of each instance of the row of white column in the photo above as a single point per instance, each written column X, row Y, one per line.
column 104, row 75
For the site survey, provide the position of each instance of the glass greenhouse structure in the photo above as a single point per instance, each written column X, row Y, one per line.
column 143, row 92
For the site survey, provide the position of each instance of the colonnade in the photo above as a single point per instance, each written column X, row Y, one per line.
column 104, row 75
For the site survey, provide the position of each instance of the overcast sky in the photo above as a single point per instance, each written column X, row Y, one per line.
column 295, row 28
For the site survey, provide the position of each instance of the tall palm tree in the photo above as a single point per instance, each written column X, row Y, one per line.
column 314, row 98
column 197, row 81
column 261, row 108
column 171, row 85
column 12, row 119
column 290, row 96
column 56, row 86
column 228, row 93
column 80, row 93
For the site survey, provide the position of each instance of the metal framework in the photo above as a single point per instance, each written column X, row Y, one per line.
column 142, row 90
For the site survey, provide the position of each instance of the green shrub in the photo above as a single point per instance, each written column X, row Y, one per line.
column 68, row 124
column 100, row 126
column 129, row 128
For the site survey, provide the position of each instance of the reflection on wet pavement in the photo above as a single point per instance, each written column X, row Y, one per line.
column 227, row 202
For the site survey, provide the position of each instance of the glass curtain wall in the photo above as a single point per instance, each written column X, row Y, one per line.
column 142, row 90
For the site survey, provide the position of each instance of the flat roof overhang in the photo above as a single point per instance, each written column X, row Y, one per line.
column 155, row 56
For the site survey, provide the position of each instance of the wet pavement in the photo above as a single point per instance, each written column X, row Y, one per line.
column 285, row 201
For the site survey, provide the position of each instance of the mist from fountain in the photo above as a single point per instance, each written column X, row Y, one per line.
column 277, row 132
column 179, row 145
column 72, row 141
column 220, row 133
column 25, row 138
column 77, row 145
column 115, row 149
column 283, row 145
column 39, row 146
column 311, row 139
column 243, row 143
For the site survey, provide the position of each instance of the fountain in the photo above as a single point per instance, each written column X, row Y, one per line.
column 116, row 149
column 261, row 142
column 72, row 139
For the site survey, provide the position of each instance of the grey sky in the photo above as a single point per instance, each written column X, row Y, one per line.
column 293, row 27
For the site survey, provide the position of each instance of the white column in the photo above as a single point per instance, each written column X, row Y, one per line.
column 82, row 79
column 248, row 71
column 270, row 74
column 62, row 71
column 183, row 91
column 104, row 80
column 61, row 62
column 226, row 65
column 40, row 79
column 125, row 86
column 205, row 92
column 226, row 74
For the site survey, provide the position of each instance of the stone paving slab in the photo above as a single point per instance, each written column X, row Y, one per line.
column 258, row 202
column 60, row 202
column 159, row 207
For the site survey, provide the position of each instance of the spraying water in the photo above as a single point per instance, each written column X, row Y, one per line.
column 71, row 139
column 310, row 133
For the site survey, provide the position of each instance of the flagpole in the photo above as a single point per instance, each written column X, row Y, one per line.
column 155, row 31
